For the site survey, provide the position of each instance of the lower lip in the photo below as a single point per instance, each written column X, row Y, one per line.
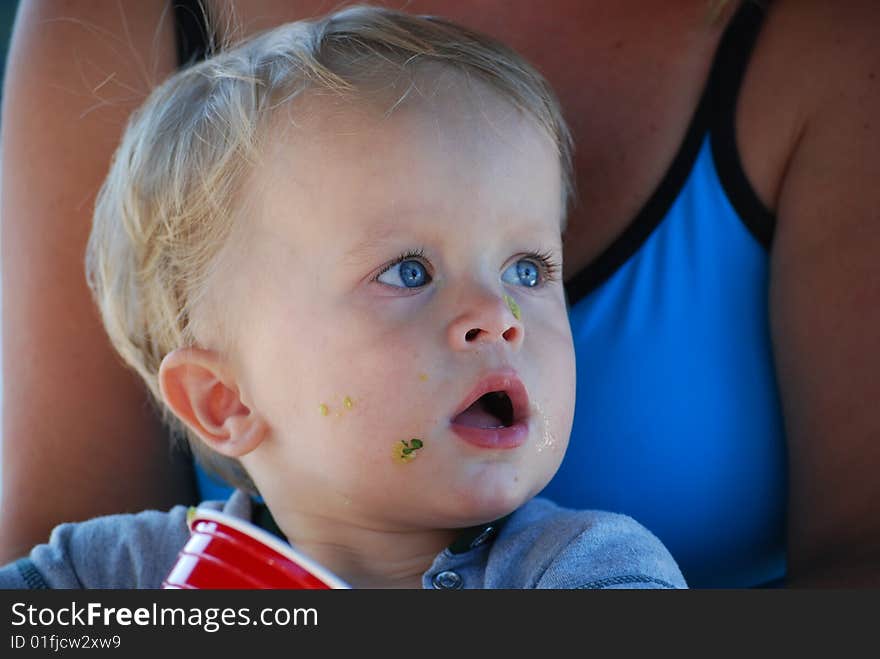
column 505, row 438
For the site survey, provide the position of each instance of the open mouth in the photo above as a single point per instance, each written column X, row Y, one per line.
column 495, row 415
column 491, row 410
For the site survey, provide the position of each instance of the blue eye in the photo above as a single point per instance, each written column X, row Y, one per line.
column 406, row 274
column 524, row 272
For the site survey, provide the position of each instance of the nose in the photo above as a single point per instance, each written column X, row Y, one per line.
column 487, row 320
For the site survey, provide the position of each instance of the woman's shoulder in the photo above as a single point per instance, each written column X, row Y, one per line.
column 814, row 66
column 814, row 85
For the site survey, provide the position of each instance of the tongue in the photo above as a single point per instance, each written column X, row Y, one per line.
column 477, row 417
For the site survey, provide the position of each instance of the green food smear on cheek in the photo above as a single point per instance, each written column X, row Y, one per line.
column 513, row 306
column 406, row 451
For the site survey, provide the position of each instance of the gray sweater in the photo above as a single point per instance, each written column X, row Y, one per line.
column 539, row 546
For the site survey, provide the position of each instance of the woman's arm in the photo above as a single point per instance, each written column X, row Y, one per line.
column 79, row 438
column 825, row 294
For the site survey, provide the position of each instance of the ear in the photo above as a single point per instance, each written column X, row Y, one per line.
column 197, row 386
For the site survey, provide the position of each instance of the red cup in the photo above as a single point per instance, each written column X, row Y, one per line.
column 226, row 552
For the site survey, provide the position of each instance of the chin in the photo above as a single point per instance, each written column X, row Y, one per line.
column 491, row 497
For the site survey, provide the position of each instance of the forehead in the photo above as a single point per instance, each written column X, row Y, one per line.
column 435, row 143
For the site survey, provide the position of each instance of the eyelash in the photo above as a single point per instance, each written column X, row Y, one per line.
column 418, row 254
column 550, row 268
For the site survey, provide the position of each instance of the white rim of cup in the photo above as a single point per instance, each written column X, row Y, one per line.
column 250, row 529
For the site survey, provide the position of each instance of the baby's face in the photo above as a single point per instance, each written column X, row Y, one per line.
column 403, row 328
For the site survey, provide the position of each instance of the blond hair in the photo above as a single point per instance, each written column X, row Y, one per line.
column 168, row 203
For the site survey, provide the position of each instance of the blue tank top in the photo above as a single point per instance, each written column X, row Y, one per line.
column 678, row 420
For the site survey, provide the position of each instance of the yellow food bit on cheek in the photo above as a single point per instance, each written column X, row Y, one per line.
column 405, row 451
column 423, row 377
column 513, row 306
column 398, row 456
column 347, row 402
column 325, row 411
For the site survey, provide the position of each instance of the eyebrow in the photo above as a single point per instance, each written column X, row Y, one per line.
column 377, row 234
column 380, row 232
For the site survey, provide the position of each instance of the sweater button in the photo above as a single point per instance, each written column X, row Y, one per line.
column 447, row 580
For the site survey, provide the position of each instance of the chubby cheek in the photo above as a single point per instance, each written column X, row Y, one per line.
column 378, row 444
column 553, row 408
column 375, row 398
column 396, row 396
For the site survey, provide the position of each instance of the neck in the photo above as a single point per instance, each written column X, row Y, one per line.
column 365, row 556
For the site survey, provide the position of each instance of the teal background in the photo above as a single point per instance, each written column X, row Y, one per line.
column 7, row 18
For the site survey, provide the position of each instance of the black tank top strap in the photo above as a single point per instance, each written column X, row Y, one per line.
column 192, row 30
column 733, row 59
column 722, row 86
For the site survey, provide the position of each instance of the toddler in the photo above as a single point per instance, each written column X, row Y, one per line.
column 333, row 253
